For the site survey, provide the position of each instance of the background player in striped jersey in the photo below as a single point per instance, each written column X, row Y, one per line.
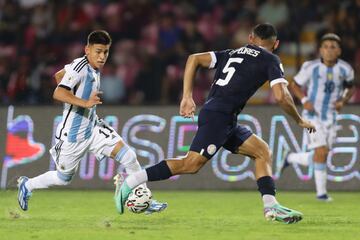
column 81, row 131
column 329, row 85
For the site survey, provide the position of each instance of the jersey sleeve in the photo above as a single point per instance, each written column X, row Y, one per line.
column 303, row 76
column 275, row 72
column 350, row 76
column 348, row 81
column 216, row 57
column 70, row 79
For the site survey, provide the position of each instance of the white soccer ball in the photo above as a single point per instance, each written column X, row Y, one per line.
column 139, row 199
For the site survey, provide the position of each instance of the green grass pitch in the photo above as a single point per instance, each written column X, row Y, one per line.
column 74, row 215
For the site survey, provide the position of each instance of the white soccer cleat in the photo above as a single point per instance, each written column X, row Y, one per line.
column 122, row 192
column 23, row 193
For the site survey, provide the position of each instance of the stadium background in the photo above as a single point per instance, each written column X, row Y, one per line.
column 151, row 41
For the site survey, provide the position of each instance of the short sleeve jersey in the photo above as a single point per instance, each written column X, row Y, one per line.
column 77, row 122
column 324, row 85
column 239, row 74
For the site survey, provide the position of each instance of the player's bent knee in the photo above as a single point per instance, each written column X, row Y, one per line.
column 64, row 178
column 264, row 153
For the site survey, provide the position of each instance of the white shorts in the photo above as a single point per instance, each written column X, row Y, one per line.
column 67, row 155
column 325, row 135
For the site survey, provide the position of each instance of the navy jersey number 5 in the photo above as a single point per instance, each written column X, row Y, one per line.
column 229, row 71
column 239, row 73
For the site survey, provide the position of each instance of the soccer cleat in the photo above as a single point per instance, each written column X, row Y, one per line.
column 282, row 214
column 156, row 206
column 23, row 193
column 324, row 198
column 122, row 192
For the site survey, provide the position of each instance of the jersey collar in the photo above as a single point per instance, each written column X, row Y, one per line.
column 322, row 61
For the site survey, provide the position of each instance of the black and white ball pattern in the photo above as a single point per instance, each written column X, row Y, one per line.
column 139, row 199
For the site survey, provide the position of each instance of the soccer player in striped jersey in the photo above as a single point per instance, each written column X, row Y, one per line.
column 329, row 82
column 81, row 131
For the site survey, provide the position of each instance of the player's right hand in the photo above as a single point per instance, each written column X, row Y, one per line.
column 94, row 99
column 308, row 125
column 187, row 108
column 309, row 106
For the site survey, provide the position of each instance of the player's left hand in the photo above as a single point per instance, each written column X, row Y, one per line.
column 94, row 99
column 187, row 108
column 339, row 105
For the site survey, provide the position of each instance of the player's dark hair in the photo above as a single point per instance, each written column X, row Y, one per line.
column 331, row 37
column 99, row 37
column 265, row 31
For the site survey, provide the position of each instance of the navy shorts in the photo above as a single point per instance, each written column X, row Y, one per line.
column 216, row 130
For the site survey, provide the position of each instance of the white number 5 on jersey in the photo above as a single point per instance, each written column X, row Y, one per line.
column 229, row 71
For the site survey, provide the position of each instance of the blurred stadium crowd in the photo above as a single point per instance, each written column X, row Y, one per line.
column 152, row 39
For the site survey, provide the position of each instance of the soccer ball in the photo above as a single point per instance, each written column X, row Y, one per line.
column 139, row 199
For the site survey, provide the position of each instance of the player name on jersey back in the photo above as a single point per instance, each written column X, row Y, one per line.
column 245, row 50
column 239, row 74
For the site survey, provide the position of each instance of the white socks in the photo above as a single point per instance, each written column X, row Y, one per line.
column 320, row 178
column 130, row 162
column 320, row 174
column 127, row 158
column 302, row 158
column 45, row 180
column 136, row 179
column 269, row 200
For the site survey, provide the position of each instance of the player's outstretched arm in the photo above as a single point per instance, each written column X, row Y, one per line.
column 187, row 106
column 66, row 96
column 286, row 102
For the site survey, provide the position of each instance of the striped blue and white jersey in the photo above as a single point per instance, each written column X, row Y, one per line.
column 324, row 85
column 77, row 122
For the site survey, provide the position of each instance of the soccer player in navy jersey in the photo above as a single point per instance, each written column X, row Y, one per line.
column 239, row 73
